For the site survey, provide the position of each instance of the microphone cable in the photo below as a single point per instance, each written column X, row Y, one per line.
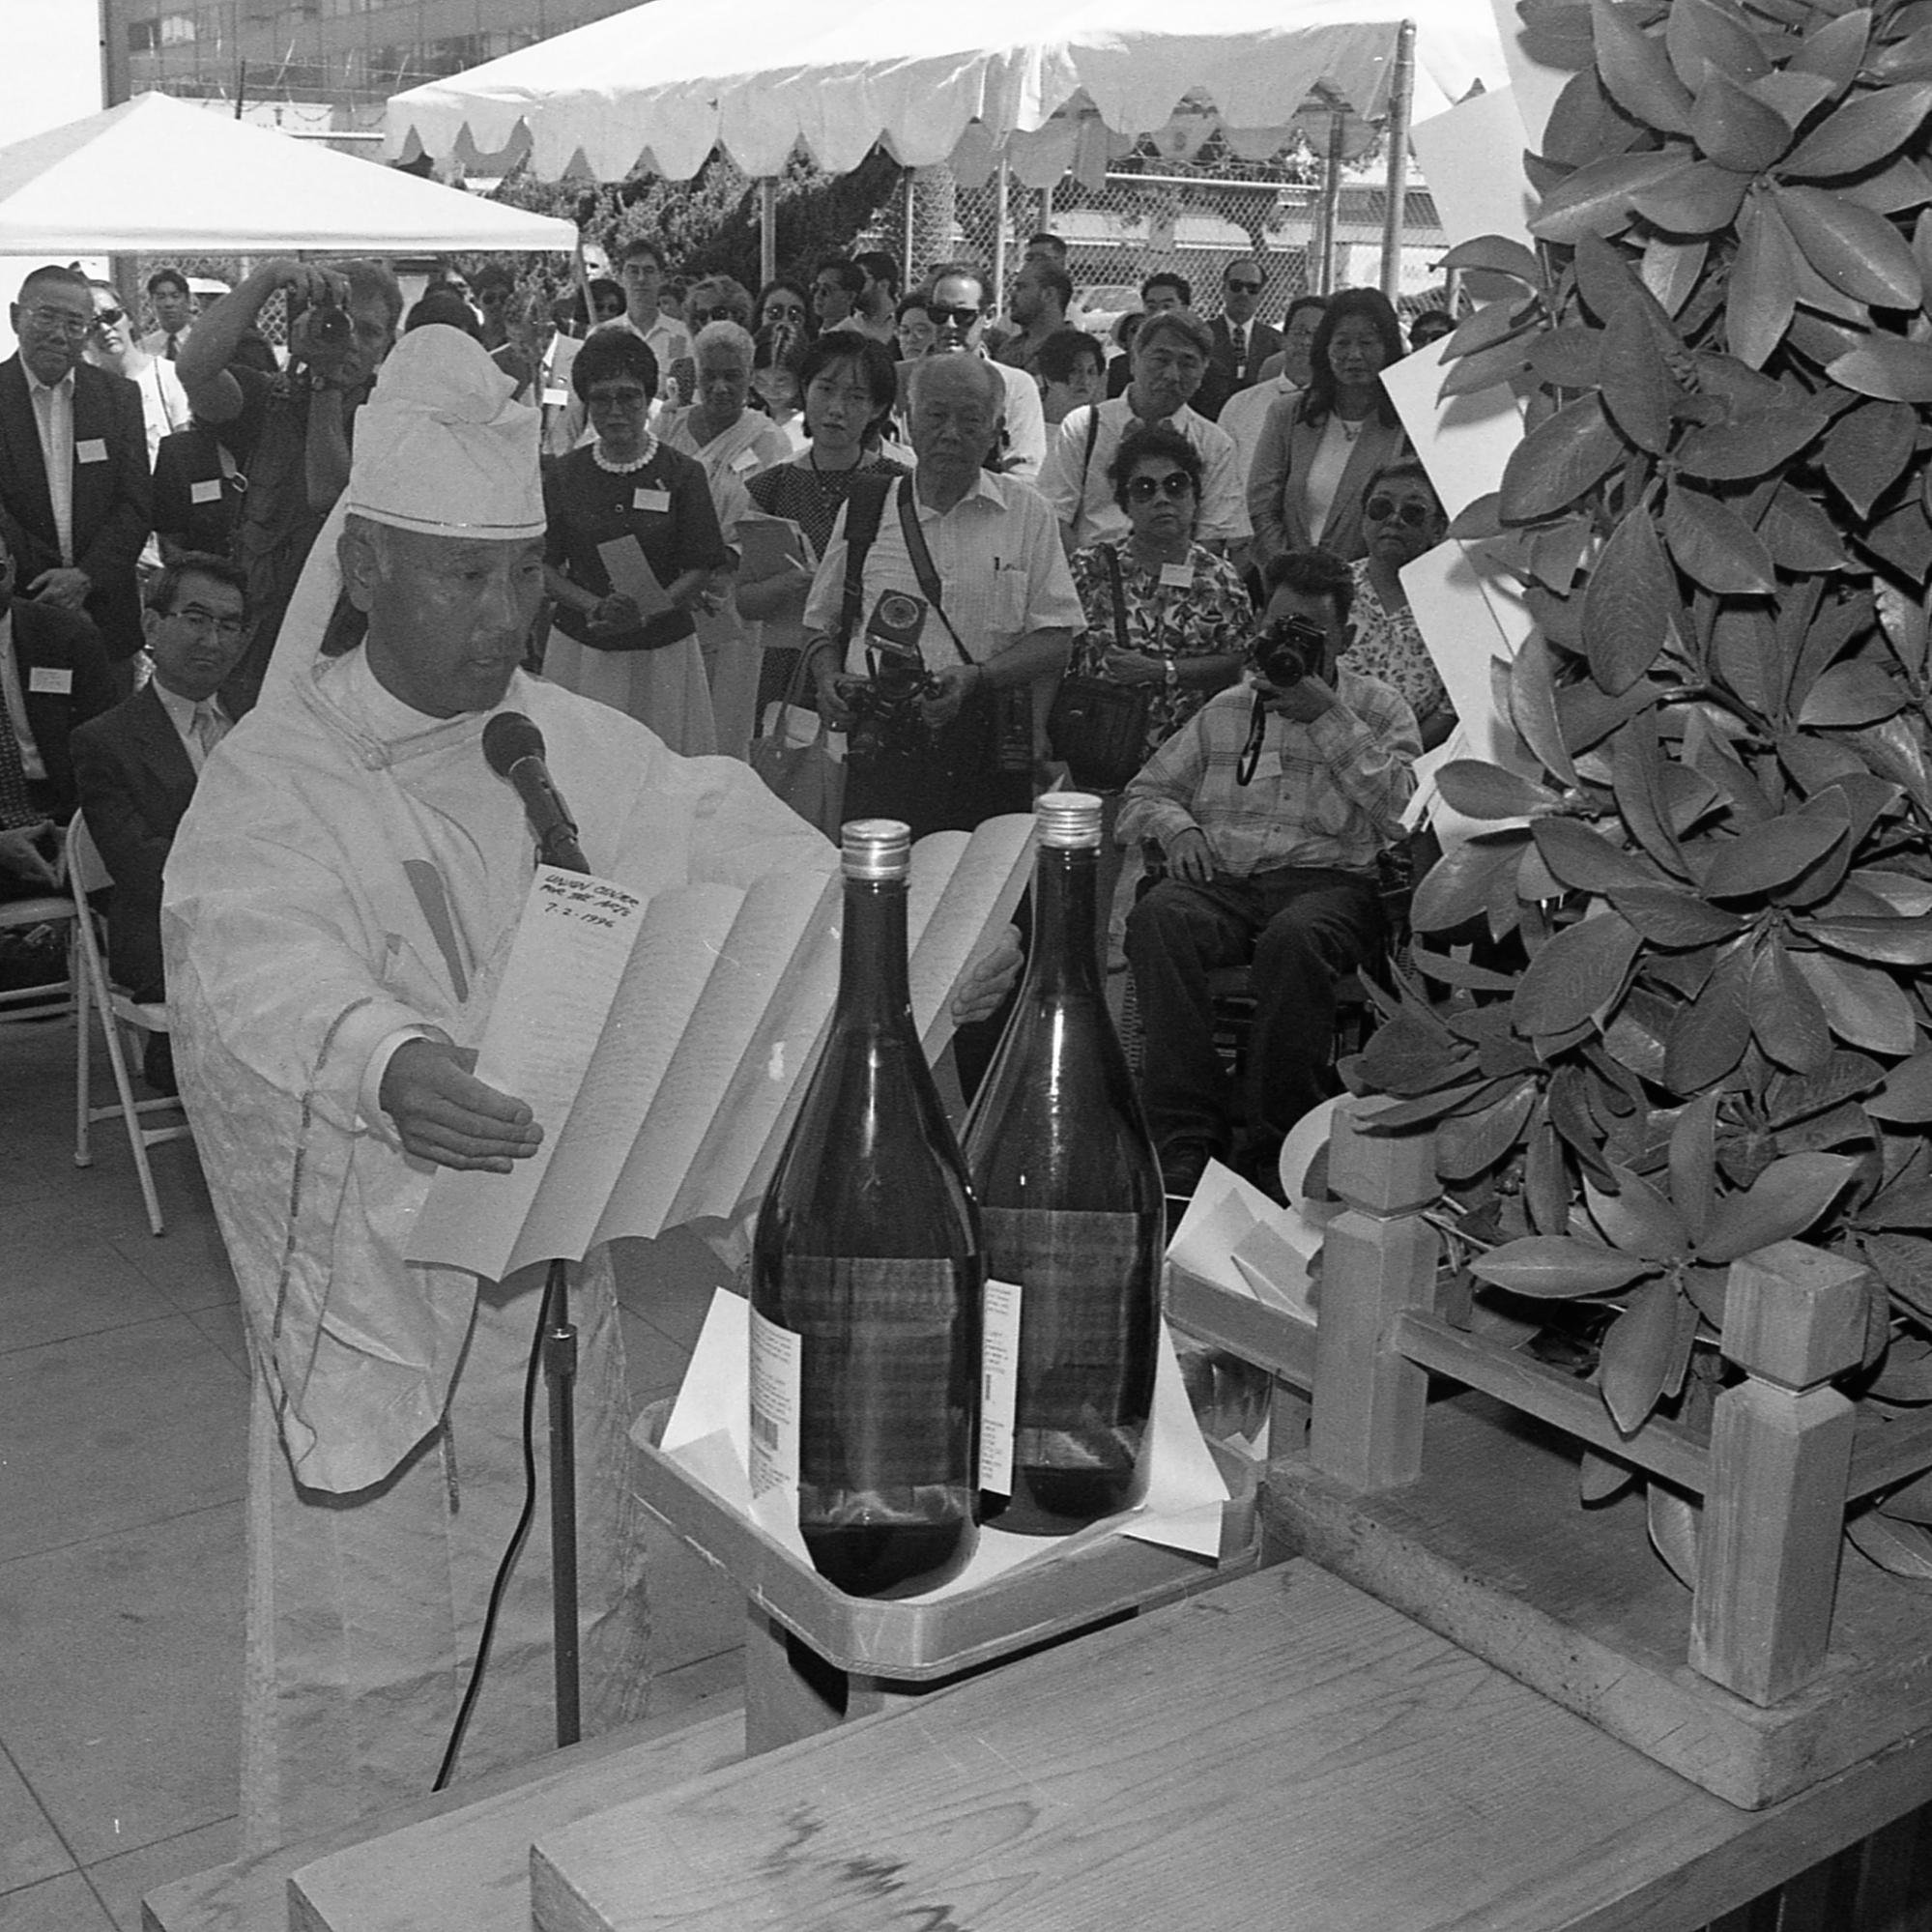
column 511, row 1549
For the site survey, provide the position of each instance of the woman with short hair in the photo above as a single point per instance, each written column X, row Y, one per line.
column 627, row 483
column 1403, row 518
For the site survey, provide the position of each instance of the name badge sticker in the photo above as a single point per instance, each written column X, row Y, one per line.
column 650, row 500
column 91, row 449
column 745, row 459
column 1177, row 576
column 1268, row 764
column 556, row 396
column 208, row 492
column 56, row 679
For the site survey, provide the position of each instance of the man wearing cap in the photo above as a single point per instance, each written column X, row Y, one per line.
column 340, row 904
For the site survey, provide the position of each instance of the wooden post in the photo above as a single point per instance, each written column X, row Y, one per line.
column 1780, row 1453
column 1329, row 209
column 1377, row 1259
column 1395, row 133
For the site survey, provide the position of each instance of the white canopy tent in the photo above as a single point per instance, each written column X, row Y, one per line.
column 1039, row 86
column 154, row 174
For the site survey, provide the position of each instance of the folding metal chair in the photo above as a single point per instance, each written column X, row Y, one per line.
column 86, row 873
column 54, row 999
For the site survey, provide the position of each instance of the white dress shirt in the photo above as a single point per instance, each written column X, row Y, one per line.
column 1077, row 487
column 53, row 418
column 182, row 713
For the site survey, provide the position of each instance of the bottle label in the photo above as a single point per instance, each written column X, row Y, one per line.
column 776, row 1359
column 880, row 1403
column 1088, row 1315
column 998, row 1384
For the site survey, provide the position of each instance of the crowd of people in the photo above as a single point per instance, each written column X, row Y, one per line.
column 257, row 603
column 1058, row 504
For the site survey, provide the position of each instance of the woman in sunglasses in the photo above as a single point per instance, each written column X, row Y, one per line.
column 1161, row 610
column 1402, row 518
column 785, row 303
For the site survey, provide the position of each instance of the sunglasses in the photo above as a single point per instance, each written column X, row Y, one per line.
column 1175, row 483
column 1244, row 288
column 1380, row 509
column 108, row 317
column 960, row 318
column 714, row 314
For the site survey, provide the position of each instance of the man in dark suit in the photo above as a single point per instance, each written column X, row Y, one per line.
column 1241, row 343
column 52, row 678
column 137, row 765
column 73, row 467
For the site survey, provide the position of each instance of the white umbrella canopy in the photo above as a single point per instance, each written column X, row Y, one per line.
column 1044, row 85
column 156, row 174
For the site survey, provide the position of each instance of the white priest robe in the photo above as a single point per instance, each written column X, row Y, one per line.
column 350, row 867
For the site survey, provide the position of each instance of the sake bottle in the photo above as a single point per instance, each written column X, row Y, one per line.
column 867, row 1274
column 1069, row 1199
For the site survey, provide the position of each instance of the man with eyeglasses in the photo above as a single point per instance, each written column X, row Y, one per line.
column 135, row 766
column 1170, row 358
column 73, row 467
column 1242, row 342
column 958, row 312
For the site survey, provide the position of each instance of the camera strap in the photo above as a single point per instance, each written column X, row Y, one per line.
column 865, row 506
column 1250, row 752
column 923, row 567
column 1112, row 557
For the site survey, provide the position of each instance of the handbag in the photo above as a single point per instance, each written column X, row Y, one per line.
column 795, row 761
column 1099, row 729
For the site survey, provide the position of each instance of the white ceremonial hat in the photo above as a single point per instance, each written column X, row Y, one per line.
column 441, row 447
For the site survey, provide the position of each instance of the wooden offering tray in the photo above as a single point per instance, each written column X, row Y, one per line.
column 918, row 1642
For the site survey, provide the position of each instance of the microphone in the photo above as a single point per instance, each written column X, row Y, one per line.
column 514, row 746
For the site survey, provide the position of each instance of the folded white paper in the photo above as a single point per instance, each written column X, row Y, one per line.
column 707, row 1435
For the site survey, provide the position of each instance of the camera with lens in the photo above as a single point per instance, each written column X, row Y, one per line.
column 1287, row 651
column 329, row 324
column 887, row 720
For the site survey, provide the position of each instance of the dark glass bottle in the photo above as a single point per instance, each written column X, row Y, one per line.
column 1071, row 1202
column 867, row 1272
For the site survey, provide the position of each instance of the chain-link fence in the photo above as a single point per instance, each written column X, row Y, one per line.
column 1181, row 222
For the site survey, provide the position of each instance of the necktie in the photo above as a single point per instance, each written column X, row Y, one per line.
column 169, row 351
column 16, row 808
column 208, row 727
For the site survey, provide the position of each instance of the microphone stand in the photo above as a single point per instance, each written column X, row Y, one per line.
column 559, row 848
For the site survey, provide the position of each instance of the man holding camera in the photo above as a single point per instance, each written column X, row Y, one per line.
column 1271, row 806
column 941, row 667
column 343, row 318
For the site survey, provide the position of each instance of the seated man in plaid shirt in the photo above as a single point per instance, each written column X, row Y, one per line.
column 1271, row 804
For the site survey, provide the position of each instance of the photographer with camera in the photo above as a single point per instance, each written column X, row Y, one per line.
column 938, row 647
column 343, row 318
column 1271, row 806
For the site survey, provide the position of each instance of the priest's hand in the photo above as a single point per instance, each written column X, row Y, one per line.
column 445, row 1115
column 987, row 981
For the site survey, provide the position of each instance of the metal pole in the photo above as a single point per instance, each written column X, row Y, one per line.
column 1002, row 188
column 1401, row 104
column 767, row 230
column 1047, row 209
column 1329, row 208
column 914, row 276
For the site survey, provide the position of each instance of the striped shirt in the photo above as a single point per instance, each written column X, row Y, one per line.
column 999, row 564
column 1326, row 794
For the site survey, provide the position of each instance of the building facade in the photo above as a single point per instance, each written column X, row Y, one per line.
column 347, row 55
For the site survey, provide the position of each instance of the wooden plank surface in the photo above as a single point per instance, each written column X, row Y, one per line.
column 1491, row 1549
column 252, row 1895
column 1281, row 1752
column 469, row 1868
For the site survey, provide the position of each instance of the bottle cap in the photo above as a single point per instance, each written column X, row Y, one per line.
column 875, row 848
column 1068, row 818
